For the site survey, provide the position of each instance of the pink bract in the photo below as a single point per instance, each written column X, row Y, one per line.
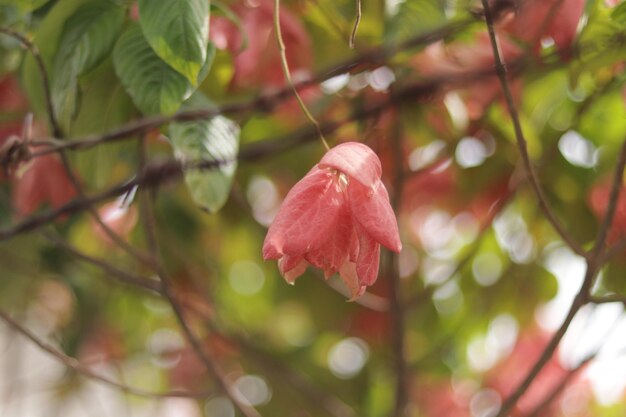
column 335, row 219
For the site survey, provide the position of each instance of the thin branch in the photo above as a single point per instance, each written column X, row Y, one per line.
column 170, row 296
column 547, row 353
column 594, row 263
column 357, row 21
column 592, row 258
column 554, row 393
column 558, row 389
column 160, row 173
column 77, row 366
column 32, row 48
column 267, row 102
column 521, row 140
column 287, row 73
column 113, row 271
column 397, row 307
column 612, row 204
column 606, row 299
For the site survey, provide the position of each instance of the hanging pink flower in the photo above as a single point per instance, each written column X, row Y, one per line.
column 335, row 219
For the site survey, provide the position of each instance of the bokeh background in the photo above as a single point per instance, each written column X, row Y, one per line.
column 474, row 297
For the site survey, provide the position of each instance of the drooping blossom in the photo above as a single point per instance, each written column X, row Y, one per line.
column 335, row 219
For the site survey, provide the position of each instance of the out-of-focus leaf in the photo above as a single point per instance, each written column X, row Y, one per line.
column 24, row 5
column 178, row 31
column 619, row 14
column 414, row 17
column 216, row 139
column 154, row 86
column 87, row 38
column 601, row 41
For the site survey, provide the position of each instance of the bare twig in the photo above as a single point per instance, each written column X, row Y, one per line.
column 32, row 48
column 170, row 296
column 606, row 299
column 592, row 258
column 159, row 173
column 397, row 306
column 287, row 73
column 582, row 297
column 558, row 388
column 611, row 208
column 521, row 140
column 357, row 21
column 83, row 370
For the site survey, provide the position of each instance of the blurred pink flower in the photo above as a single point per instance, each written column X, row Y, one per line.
column 258, row 63
column 335, row 219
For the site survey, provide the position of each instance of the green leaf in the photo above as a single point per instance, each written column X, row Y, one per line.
column 216, row 139
column 619, row 14
column 87, row 38
column 415, row 17
column 24, row 5
column 601, row 41
column 154, row 86
column 178, row 31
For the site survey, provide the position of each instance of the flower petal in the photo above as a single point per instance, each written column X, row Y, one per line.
column 368, row 260
column 307, row 215
column 355, row 160
column 291, row 267
column 332, row 252
column 372, row 211
column 350, row 278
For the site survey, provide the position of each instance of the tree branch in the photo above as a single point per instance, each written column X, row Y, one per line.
column 606, row 299
column 170, row 296
column 397, row 307
column 521, row 140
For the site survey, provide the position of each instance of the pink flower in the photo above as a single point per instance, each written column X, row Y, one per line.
column 335, row 219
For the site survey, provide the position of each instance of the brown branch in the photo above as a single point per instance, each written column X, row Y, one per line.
column 594, row 263
column 159, row 173
column 357, row 21
column 531, row 175
column 558, row 388
column 606, row 299
column 593, row 258
column 269, row 101
column 547, row 353
column 397, row 306
column 168, row 292
column 612, row 204
column 77, row 366
column 32, row 48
